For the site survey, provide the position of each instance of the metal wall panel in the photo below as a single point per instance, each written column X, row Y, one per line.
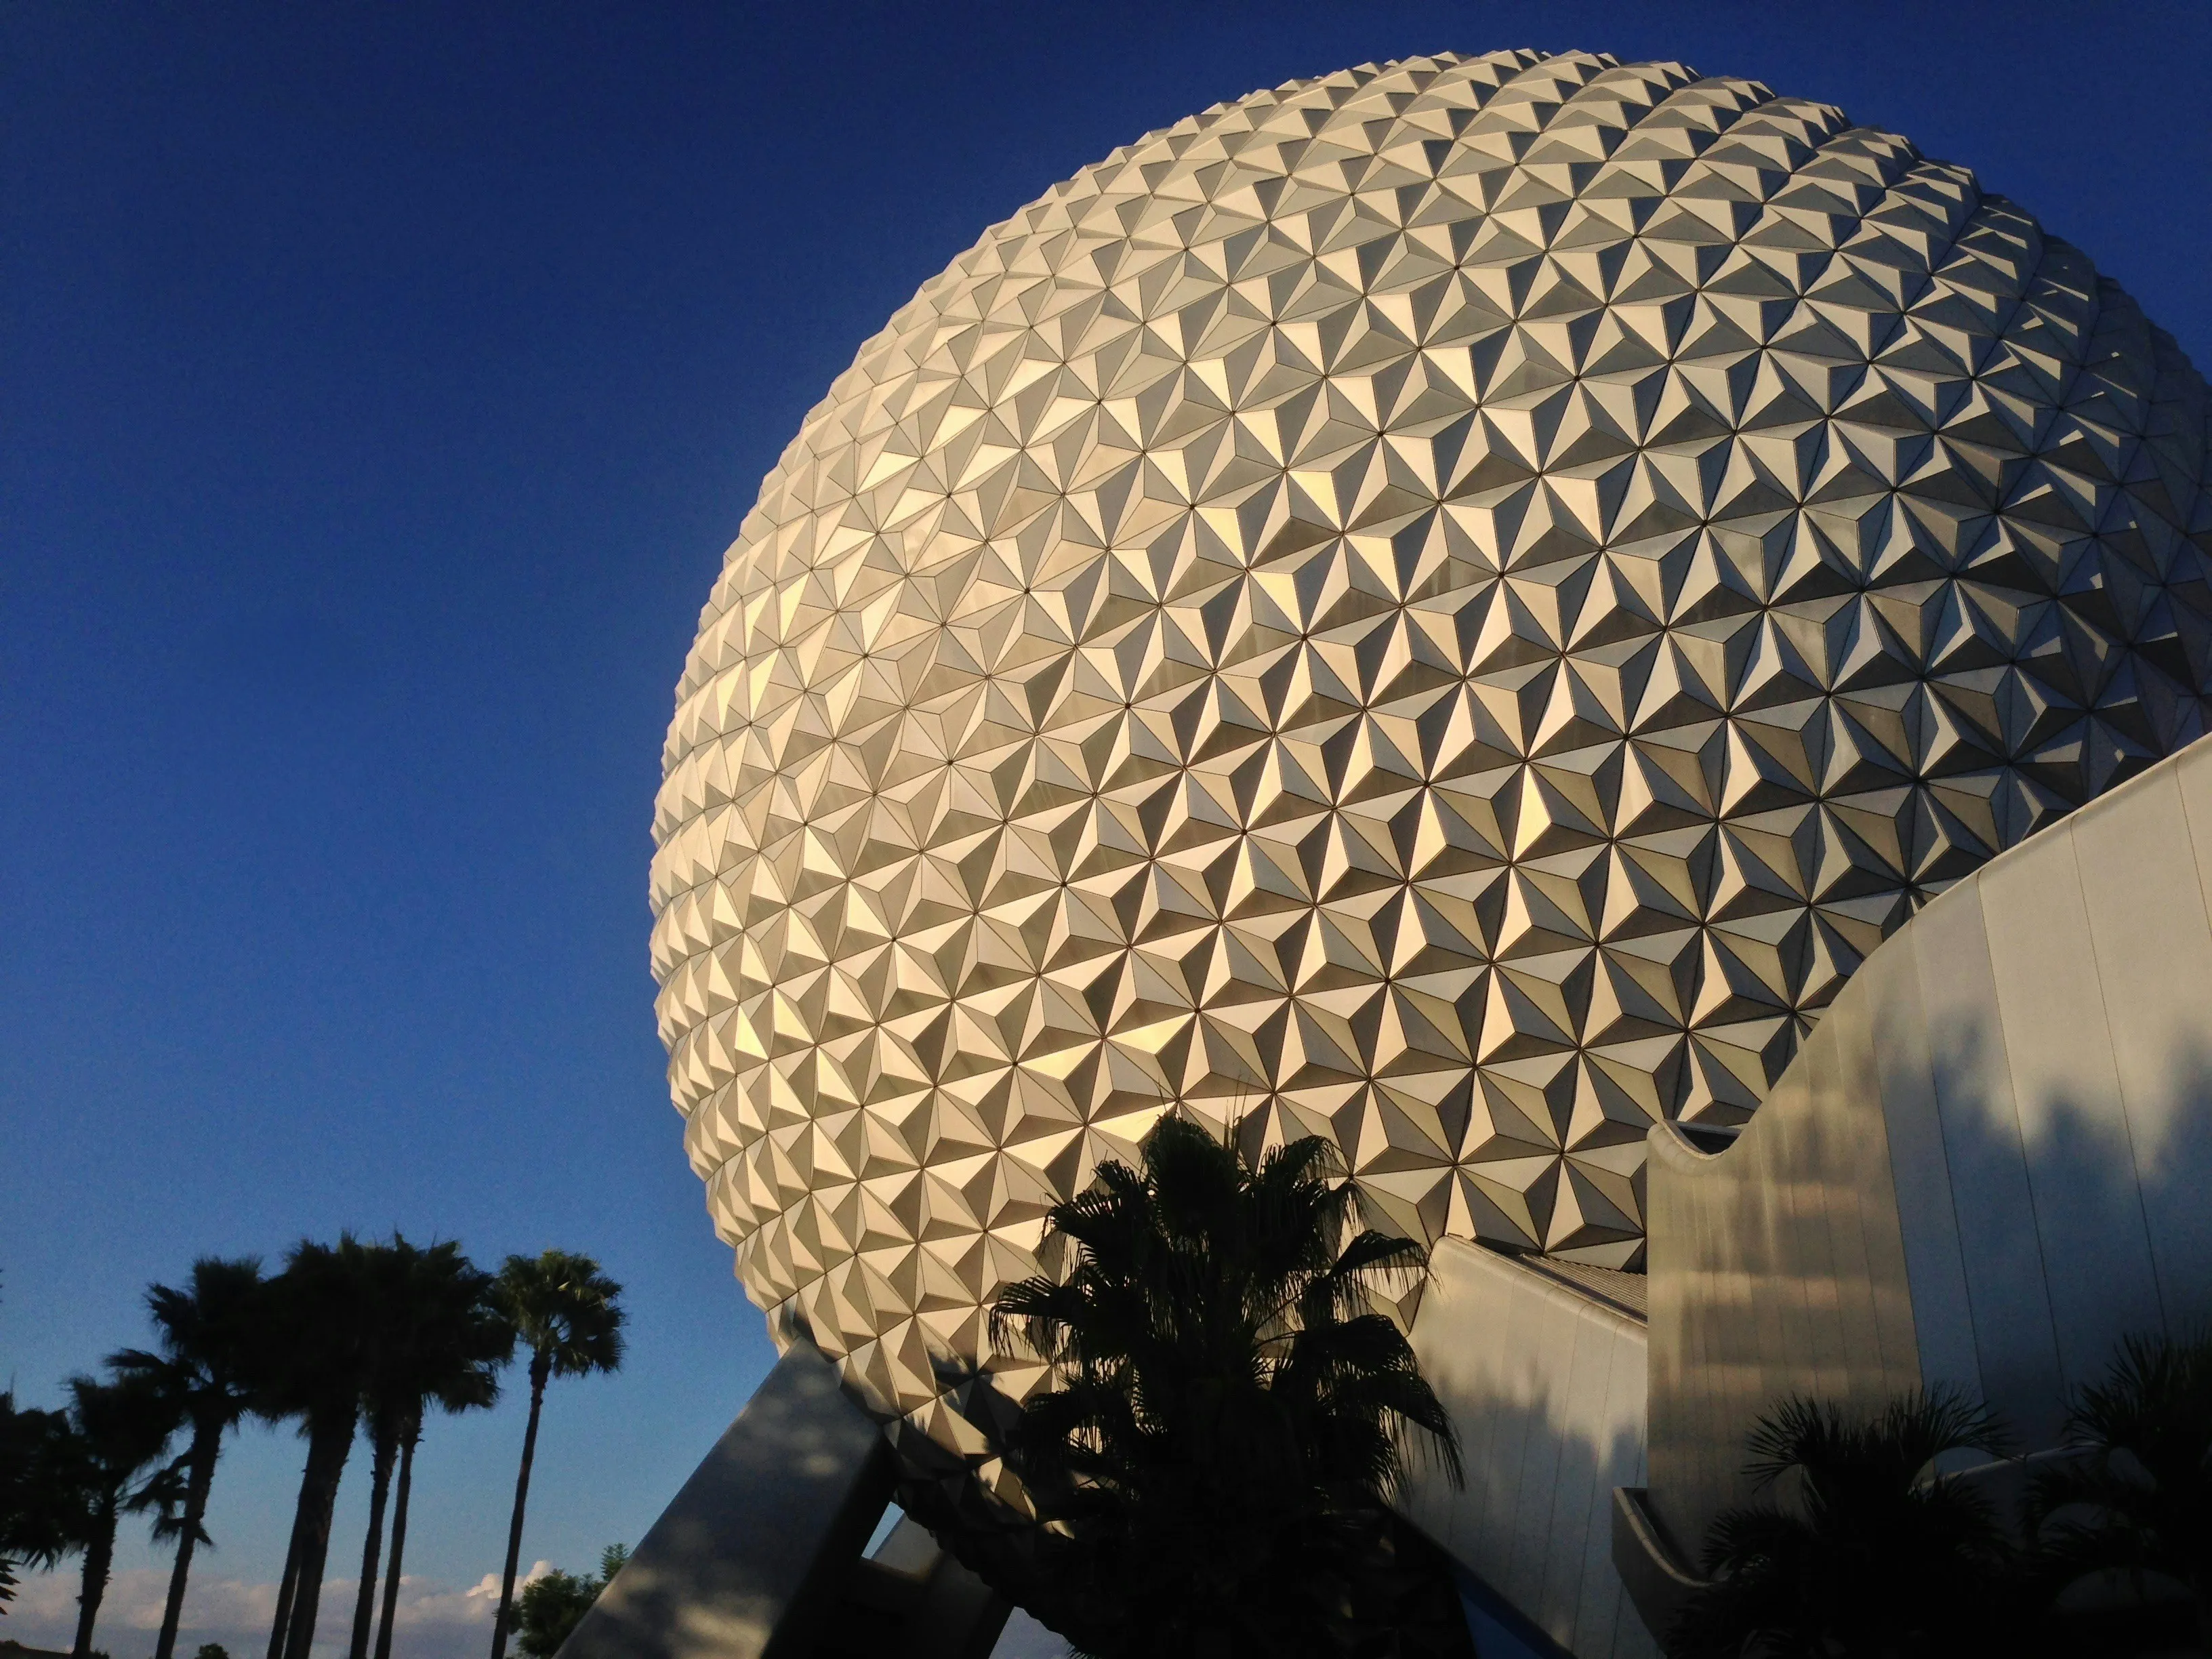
column 2000, row 1253
column 1888, row 1331
column 1987, row 1163
column 1547, row 1386
column 2154, row 943
column 2066, row 1088
column 1936, row 1315
column 1776, row 1269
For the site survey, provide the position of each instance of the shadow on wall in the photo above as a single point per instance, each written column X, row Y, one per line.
column 1988, row 1163
column 1552, row 1592
column 2079, row 1225
column 1547, row 1388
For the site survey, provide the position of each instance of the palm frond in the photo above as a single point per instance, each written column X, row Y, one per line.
column 1741, row 1539
column 1220, row 1383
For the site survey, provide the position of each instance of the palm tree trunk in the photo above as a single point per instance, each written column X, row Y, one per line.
column 207, row 1444
column 328, row 1449
column 290, row 1586
column 382, row 1434
column 540, row 1367
column 408, row 1436
column 99, row 1553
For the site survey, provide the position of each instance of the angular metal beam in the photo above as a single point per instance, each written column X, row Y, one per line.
column 754, row 1549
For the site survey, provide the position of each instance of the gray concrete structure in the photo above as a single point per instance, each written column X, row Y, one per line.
column 910, row 1600
column 1544, row 1376
column 760, row 1554
column 1988, row 1164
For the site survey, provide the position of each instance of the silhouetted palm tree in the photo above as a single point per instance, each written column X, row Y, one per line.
column 321, row 1311
column 1875, row 1556
column 207, row 1332
column 34, row 1522
column 566, row 1311
column 117, row 1430
column 1229, row 1415
column 433, row 1331
column 2139, row 1499
column 465, row 1389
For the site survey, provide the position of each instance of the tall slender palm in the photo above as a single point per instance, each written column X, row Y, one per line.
column 1876, row 1555
column 568, row 1312
column 434, row 1330
column 207, row 1331
column 2139, row 1499
column 1229, row 1415
column 387, row 1270
column 321, row 1312
column 116, row 1431
column 467, row 1388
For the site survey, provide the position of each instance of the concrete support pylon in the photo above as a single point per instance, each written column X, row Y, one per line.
column 759, row 1556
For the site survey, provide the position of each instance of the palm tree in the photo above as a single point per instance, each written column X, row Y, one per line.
column 565, row 1310
column 207, row 1333
column 34, row 1528
column 468, row 1388
column 1878, row 1555
column 317, row 1337
column 434, row 1333
column 1229, row 1415
column 2139, row 1499
column 116, row 1430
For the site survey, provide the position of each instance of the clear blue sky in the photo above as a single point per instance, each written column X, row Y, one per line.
column 378, row 387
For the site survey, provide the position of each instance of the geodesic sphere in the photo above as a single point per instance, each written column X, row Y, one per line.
column 1448, row 606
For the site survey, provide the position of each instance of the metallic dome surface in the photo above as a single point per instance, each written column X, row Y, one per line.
column 1448, row 606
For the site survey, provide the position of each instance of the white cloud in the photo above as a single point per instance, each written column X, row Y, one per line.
column 432, row 1619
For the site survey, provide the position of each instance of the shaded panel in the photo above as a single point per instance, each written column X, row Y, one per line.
column 2066, row 1090
column 1938, row 1317
column 1544, row 1384
column 2167, row 1053
column 2015, row 1350
column 1761, row 1286
column 1878, row 1315
column 754, row 1545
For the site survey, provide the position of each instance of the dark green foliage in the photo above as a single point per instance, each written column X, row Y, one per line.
column 1867, row 1553
column 1229, row 1415
column 2137, row 1503
column 564, row 1311
column 211, row 1650
column 549, row 1608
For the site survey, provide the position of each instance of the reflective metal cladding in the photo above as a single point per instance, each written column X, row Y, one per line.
column 1450, row 605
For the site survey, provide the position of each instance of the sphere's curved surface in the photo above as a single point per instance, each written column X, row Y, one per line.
column 1448, row 606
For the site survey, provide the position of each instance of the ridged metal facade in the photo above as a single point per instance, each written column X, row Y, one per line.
column 1448, row 606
